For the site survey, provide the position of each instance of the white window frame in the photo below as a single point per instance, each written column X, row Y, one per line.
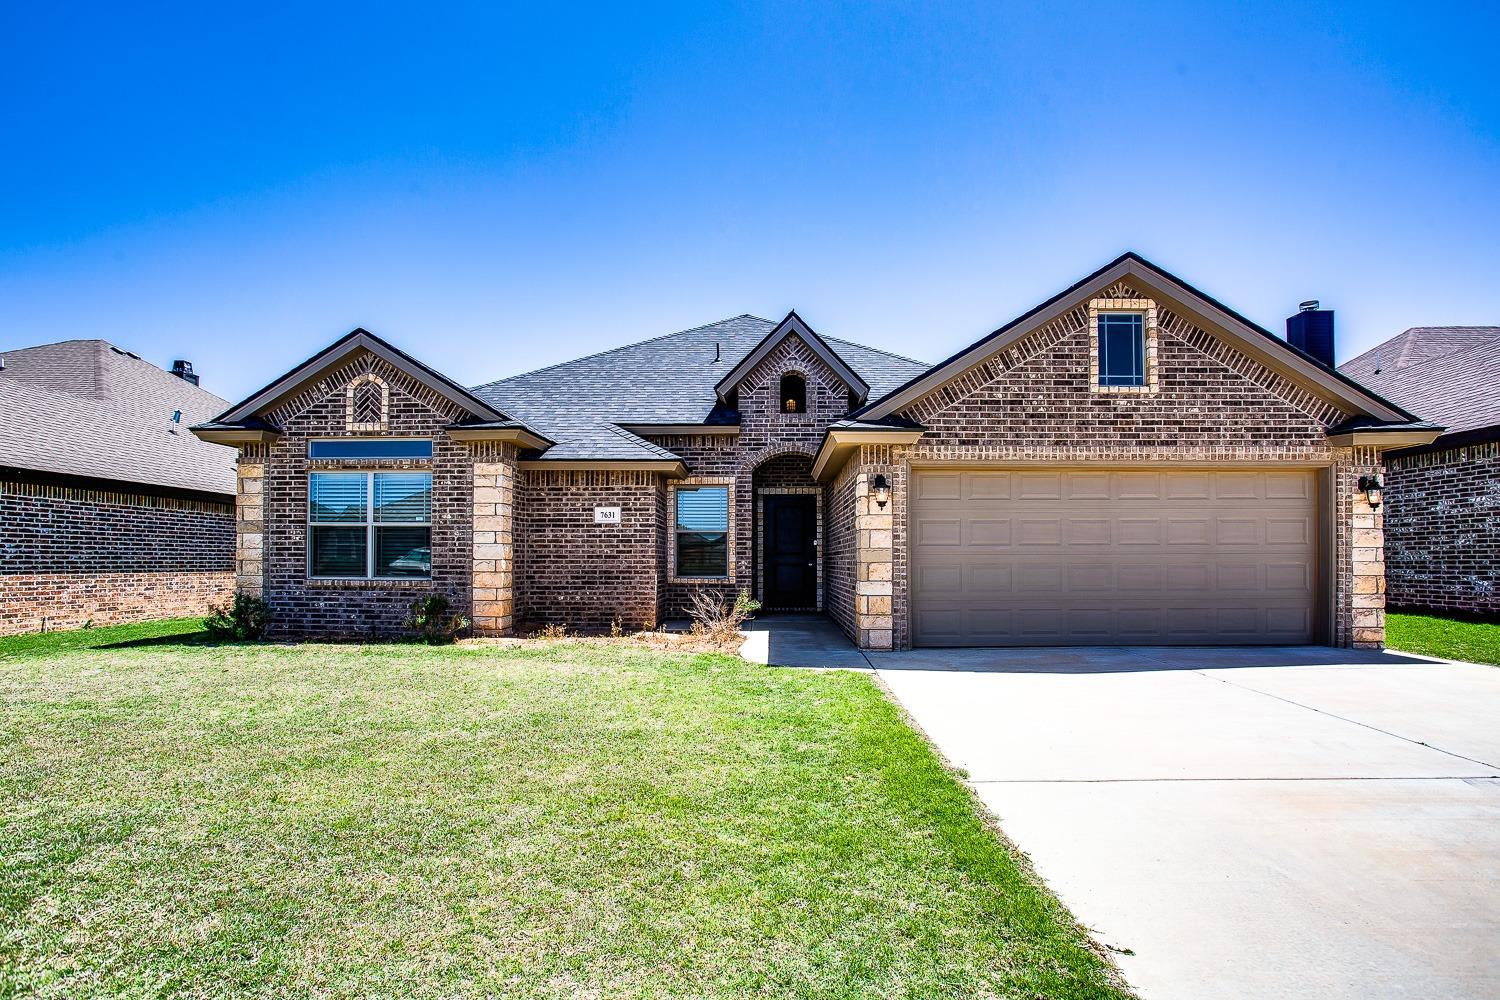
column 369, row 523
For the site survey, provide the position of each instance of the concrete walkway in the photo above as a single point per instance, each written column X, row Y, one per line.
column 1248, row 822
column 792, row 640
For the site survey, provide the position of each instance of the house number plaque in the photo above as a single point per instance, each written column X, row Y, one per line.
column 606, row 515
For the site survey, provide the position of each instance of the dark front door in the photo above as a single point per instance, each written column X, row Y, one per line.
column 791, row 551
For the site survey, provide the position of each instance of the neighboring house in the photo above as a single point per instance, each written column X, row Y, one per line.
column 110, row 510
column 1129, row 462
column 1442, row 500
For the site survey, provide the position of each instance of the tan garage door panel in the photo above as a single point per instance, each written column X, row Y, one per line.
column 1064, row 557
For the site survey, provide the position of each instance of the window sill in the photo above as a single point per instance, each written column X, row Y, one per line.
column 721, row 580
column 367, row 583
column 1126, row 390
column 367, row 464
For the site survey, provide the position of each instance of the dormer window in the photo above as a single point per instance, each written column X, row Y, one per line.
column 793, row 393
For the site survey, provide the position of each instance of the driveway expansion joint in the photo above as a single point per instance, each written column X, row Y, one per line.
column 1345, row 718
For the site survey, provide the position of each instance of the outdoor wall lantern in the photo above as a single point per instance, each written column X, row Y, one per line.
column 882, row 491
column 1371, row 486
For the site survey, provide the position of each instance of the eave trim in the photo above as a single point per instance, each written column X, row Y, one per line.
column 1374, row 437
column 519, row 436
column 838, row 445
column 233, row 436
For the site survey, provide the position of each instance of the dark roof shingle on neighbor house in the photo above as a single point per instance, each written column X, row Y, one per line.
column 671, row 379
column 1447, row 374
column 88, row 409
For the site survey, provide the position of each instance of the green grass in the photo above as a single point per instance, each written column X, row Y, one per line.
column 1455, row 639
column 184, row 819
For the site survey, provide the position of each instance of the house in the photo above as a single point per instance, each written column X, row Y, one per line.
column 1129, row 462
column 1442, row 499
column 110, row 510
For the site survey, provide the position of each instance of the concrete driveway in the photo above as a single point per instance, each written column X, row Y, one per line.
column 1243, row 823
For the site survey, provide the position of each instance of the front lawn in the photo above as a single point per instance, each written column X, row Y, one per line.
column 1455, row 639
column 179, row 819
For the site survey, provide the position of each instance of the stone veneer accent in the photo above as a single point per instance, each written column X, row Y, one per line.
column 494, row 540
column 250, row 522
column 70, row 555
column 1442, row 529
column 1147, row 307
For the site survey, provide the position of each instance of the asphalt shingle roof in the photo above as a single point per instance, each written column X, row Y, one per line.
column 88, row 408
column 667, row 380
column 1446, row 374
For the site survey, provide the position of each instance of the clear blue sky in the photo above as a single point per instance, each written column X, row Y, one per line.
column 497, row 190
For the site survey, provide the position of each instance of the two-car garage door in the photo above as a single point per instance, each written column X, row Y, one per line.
column 1047, row 556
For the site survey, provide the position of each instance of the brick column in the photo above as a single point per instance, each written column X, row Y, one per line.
column 250, row 528
column 1359, row 615
column 874, row 563
column 494, row 544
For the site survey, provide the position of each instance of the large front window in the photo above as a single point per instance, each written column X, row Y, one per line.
column 369, row 525
column 702, row 525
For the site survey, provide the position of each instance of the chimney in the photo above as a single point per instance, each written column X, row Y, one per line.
column 184, row 369
column 1311, row 331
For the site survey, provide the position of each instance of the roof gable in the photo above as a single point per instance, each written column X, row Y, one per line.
column 341, row 351
column 1196, row 307
column 791, row 325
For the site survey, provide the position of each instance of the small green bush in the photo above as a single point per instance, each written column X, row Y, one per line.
column 430, row 619
column 244, row 617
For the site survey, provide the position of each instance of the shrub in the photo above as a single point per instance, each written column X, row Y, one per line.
column 551, row 632
column 244, row 617
column 430, row 619
column 718, row 619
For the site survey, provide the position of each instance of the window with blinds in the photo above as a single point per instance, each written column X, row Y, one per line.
column 364, row 525
column 701, row 523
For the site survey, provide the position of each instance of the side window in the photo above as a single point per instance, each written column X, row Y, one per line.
column 793, row 394
column 701, row 526
column 364, row 525
column 1122, row 349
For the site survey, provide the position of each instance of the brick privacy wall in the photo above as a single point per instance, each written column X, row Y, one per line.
column 1442, row 529
column 767, row 437
column 1032, row 403
column 586, row 576
column 69, row 556
column 366, row 607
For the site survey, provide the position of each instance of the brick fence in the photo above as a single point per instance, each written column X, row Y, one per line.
column 69, row 556
column 1442, row 529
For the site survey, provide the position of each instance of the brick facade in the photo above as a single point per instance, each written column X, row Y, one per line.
column 579, row 574
column 1033, row 403
column 773, row 450
column 1442, row 529
column 354, row 607
column 70, row 556
column 516, row 545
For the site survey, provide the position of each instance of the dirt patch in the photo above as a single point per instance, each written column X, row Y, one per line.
column 671, row 642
